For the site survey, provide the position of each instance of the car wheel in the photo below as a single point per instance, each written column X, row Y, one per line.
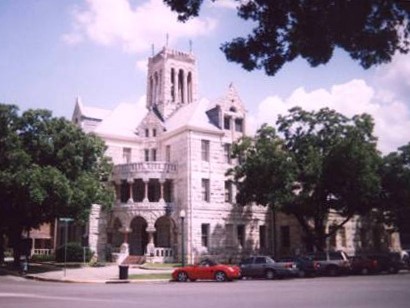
column 182, row 277
column 302, row 274
column 393, row 270
column 270, row 274
column 220, row 276
column 365, row 271
column 332, row 271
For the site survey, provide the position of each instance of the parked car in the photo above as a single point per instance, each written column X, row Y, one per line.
column 208, row 270
column 331, row 263
column 387, row 262
column 265, row 267
column 363, row 265
column 305, row 266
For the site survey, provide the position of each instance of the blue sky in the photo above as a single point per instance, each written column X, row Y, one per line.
column 53, row 51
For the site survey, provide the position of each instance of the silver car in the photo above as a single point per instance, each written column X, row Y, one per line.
column 265, row 267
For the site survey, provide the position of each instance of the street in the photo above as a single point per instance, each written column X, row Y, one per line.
column 352, row 291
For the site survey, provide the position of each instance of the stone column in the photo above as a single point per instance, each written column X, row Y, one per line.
column 145, row 190
column 151, row 245
column 161, row 196
column 124, row 249
column 130, row 183
column 117, row 185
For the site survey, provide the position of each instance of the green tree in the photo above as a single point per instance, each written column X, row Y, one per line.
column 395, row 201
column 370, row 31
column 317, row 163
column 49, row 168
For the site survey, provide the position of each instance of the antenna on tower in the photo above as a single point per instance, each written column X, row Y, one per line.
column 167, row 41
column 152, row 48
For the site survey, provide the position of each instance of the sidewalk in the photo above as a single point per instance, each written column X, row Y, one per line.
column 104, row 274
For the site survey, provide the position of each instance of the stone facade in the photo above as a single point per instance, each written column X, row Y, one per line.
column 172, row 158
column 169, row 158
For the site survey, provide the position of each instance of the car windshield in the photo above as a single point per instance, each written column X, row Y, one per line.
column 207, row 262
column 269, row 260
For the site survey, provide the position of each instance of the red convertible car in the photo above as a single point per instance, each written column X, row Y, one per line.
column 207, row 270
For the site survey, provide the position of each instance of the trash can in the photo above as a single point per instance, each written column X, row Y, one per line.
column 123, row 272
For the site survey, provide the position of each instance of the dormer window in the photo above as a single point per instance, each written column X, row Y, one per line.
column 239, row 125
column 232, row 109
column 227, row 122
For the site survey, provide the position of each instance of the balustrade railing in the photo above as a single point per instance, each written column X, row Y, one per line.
column 150, row 166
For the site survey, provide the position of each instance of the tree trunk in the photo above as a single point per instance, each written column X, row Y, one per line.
column 15, row 241
column 2, row 242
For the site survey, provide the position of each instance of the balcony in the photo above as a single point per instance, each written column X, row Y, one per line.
column 135, row 170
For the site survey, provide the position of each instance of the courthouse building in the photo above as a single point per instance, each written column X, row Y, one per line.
column 170, row 161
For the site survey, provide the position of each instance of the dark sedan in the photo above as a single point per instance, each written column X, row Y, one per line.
column 265, row 267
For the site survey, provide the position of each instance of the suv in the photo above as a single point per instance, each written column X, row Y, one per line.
column 264, row 267
column 331, row 263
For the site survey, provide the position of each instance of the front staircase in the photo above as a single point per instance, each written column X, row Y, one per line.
column 133, row 260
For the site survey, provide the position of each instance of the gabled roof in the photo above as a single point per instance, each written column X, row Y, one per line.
column 122, row 121
column 230, row 100
column 192, row 115
column 89, row 112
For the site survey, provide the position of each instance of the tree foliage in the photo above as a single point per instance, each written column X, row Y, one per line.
column 48, row 169
column 317, row 163
column 395, row 201
column 370, row 31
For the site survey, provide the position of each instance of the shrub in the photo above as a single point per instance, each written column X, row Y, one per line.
column 75, row 253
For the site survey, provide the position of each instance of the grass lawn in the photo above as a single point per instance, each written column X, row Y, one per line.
column 150, row 276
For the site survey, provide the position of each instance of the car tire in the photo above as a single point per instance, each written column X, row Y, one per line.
column 182, row 277
column 302, row 274
column 220, row 276
column 332, row 271
column 270, row 274
column 365, row 271
column 393, row 270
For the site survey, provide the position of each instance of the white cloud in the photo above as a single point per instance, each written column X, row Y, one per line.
column 133, row 28
column 226, row 4
column 142, row 65
column 392, row 116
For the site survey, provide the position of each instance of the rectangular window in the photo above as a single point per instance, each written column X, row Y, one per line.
column 227, row 152
column 205, row 190
column 228, row 191
column 342, row 232
column 154, row 132
column 227, row 122
column 239, row 125
column 146, row 155
column 332, row 237
column 205, row 150
column 262, row 237
column 154, row 154
column 285, row 236
column 363, row 237
column 126, row 155
column 168, row 153
column 147, row 132
column 240, row 233
column 229, row 238
column 205, row 235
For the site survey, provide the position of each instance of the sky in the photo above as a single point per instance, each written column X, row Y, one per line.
column 52, row 52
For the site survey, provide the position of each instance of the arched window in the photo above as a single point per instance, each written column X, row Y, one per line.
column 173, row 84
column 181, row 89
column 189, row 87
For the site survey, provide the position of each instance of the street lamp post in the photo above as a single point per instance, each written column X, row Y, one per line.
column 182, row 216
column 66, row 220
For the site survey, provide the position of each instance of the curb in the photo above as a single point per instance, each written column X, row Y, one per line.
column 118, row 281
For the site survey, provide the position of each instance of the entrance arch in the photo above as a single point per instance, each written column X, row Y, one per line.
column 163, row 233
column 138, row 238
